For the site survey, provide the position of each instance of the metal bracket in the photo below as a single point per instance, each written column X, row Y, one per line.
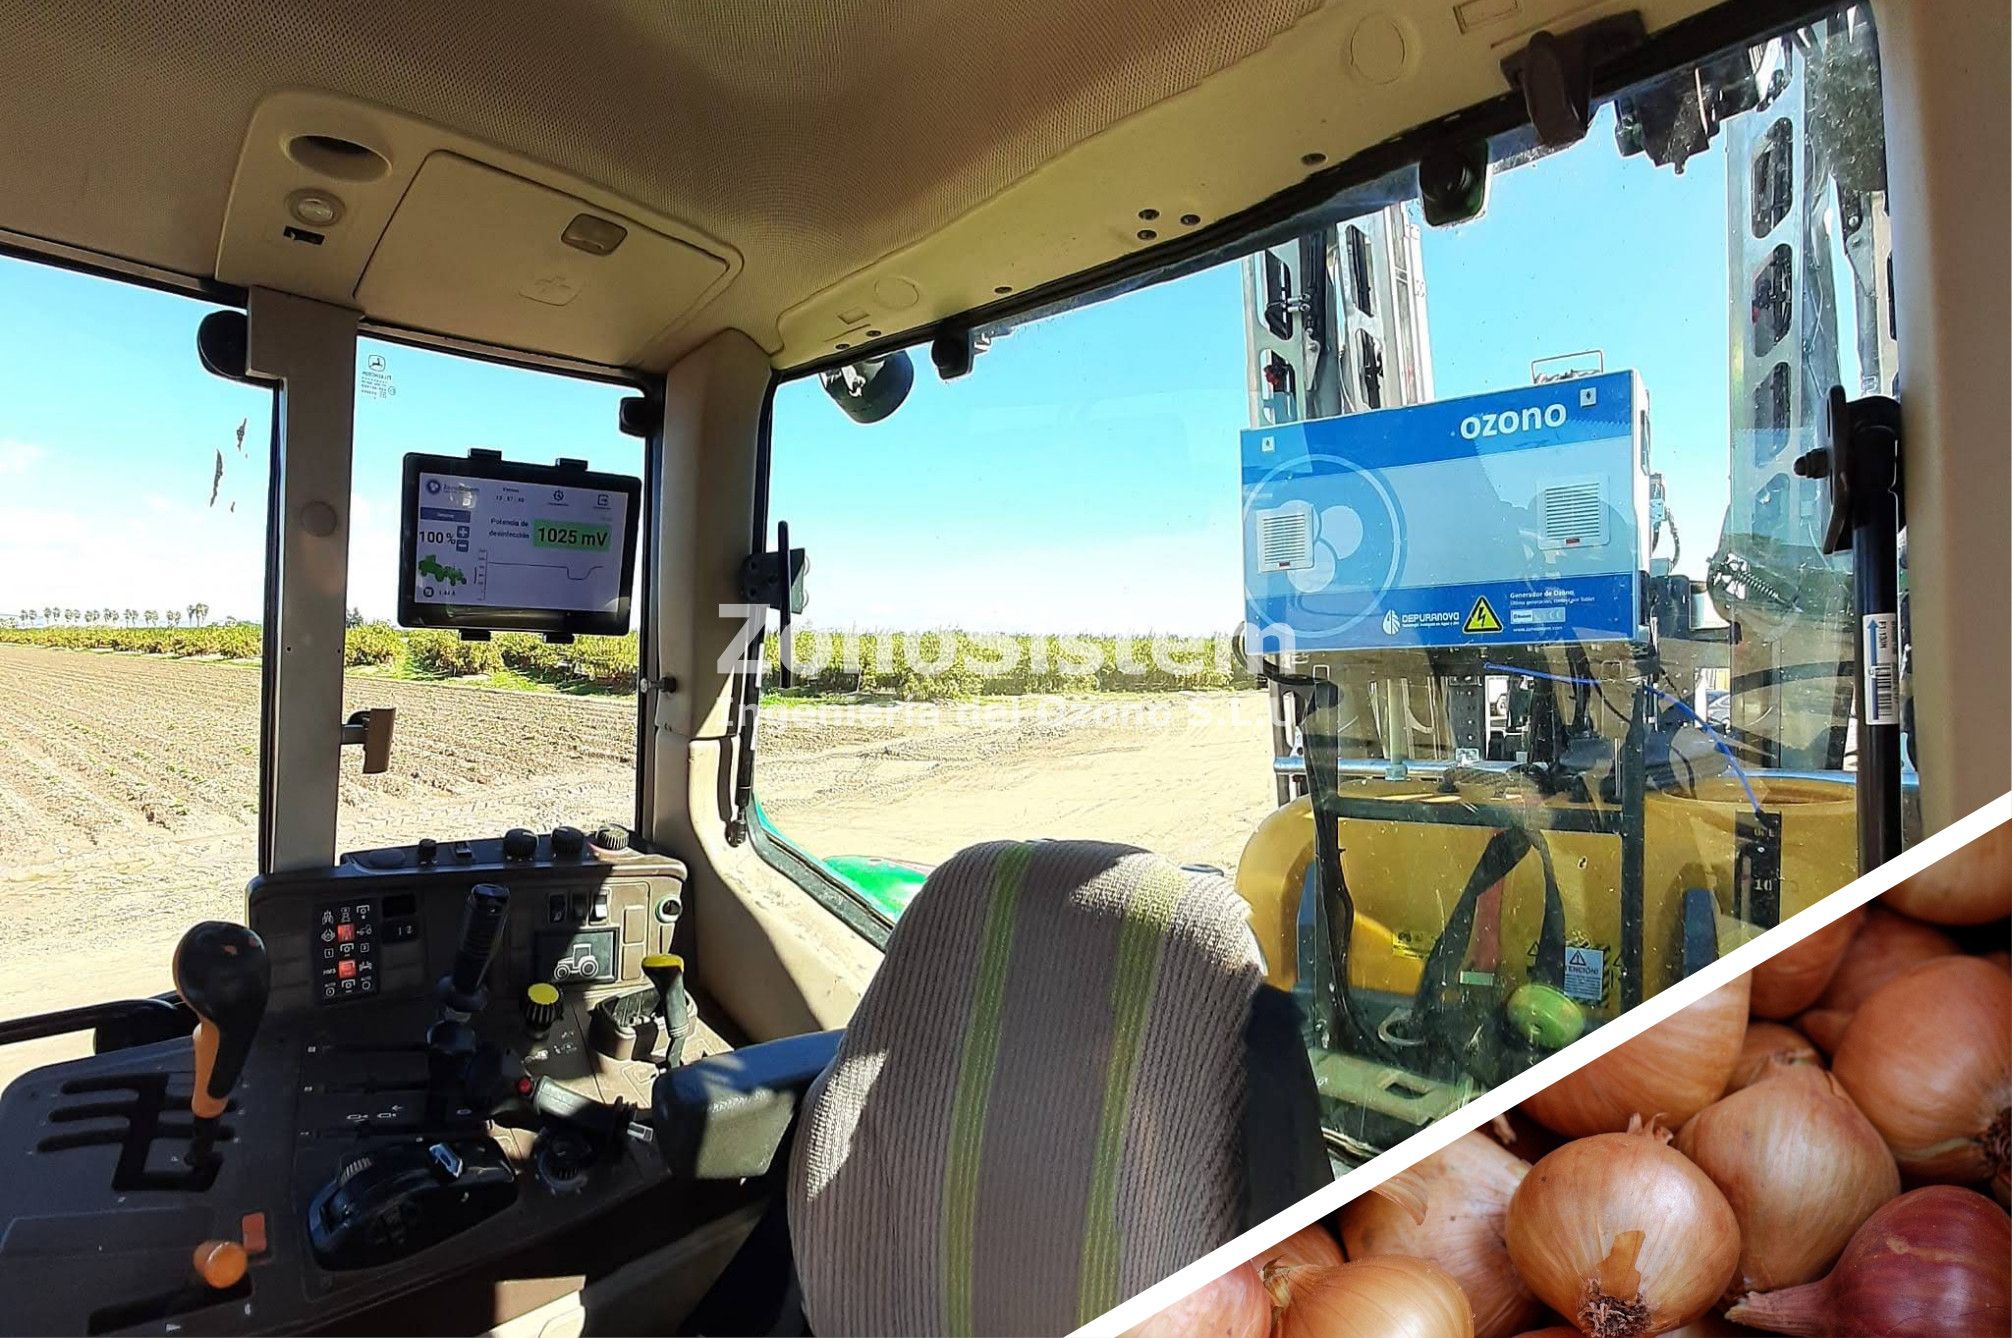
column 1861, row 458
column 1554, row 73
column 371, row 731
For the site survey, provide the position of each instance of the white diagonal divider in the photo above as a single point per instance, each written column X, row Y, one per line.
column 1575, row 1056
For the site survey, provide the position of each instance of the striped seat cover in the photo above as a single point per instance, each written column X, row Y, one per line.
column 1035, row 1111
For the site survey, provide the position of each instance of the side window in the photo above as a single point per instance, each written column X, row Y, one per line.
column 132, row 585
column 513, row 731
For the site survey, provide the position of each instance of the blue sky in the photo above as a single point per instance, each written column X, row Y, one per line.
column 1084, row 477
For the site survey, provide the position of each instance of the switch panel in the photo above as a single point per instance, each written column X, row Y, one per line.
column 345, row 950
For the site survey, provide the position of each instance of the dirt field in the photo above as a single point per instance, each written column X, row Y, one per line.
column 128, row 791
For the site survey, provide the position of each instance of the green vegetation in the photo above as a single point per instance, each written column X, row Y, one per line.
column 927, row 666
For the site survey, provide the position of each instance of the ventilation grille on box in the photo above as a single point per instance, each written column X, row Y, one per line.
column 1285, row 539
column 1575, row 514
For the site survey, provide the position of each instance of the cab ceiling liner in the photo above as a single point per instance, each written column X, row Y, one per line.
column 874, row 165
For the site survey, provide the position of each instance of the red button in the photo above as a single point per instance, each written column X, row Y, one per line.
column 344, row 933
column 345, row 969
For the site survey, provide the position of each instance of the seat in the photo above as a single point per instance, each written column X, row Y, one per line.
column 1066, row 1081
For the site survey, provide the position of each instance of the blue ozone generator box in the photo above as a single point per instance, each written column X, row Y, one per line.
column 1515, row 518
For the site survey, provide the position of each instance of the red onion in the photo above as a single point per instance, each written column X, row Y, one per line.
column 1935, row 1262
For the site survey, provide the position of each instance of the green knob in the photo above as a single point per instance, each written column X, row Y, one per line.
column 1542, row 1015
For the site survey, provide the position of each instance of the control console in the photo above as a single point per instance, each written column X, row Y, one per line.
column 444, row 1050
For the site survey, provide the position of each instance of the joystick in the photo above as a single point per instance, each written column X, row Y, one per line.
column 666, row 971
column 222, row 974
column 482, row 917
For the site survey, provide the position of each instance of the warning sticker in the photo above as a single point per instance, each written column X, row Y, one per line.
column 1481, row 619
column 1584, row 973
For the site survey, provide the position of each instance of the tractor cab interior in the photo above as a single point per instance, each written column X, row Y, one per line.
column 672, row 1054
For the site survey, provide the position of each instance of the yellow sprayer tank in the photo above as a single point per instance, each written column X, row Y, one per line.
column 1406, row 876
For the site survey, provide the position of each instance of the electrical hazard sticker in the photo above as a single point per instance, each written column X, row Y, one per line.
column 1585, row 973
column 1481, row 619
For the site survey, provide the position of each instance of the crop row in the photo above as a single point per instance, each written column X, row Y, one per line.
column 914, row 666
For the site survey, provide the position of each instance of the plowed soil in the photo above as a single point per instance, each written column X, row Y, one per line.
column 129, row 791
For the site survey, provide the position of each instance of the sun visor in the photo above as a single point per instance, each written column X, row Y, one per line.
column 485, row 255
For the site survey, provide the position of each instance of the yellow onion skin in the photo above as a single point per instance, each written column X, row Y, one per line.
column 1765, row 1044
column 1885, row 946
column 1467, row 1187
column 1793, row 979
column 1235, row 1305
column 1311, row 1244
column 1971, row 885
column 1386, row 1297
column 1623, row 1236
column 1801, row 1167
column 1673, row 1070
column 1929, row 1060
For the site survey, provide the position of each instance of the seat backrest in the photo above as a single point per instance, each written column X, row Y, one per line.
column 1037, row 1108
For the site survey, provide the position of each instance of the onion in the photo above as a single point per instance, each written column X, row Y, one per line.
column 1791, row 980
column 1311, row 1244
column 1971, row 885
column 1467, row 1186
column 1386, row 1297
column 1886, row 945
column 1767, row 1042
column 1929, row 1060
column 1622, row 1235
column 1674, row 1069
column 1931, row 1262
column 1824, row 1027
column 1801, row 1167
column 1235, row 1305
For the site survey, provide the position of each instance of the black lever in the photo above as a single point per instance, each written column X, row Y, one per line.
column 482, row 917
column 222, row 973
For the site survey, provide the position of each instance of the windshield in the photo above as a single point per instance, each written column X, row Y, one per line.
column 1448, row 585
column 509, row 731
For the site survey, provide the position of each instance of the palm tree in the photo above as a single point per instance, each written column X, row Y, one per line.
column 90, row 617
column 70, row 615
column 198, row 612
column 174, row 617
column 153, row 617
column 132, row 616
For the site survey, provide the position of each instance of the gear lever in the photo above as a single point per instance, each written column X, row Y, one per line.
column 222, row 974
column 451, row 1043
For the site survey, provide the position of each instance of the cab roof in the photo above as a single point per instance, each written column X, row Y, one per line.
column 818, row 175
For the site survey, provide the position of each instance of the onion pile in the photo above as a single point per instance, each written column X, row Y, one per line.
column 1768, row 1044
column 1801, row 1167
column 1928, row 1058
column 1467, row 1187
column 1672, row 1071
column 1623, row 1235
column 1777, row 1203
column 1235, row 1305
column 1790, row 981
column 1971, row 885
column 1930, row 1262
column 1386, row 1297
